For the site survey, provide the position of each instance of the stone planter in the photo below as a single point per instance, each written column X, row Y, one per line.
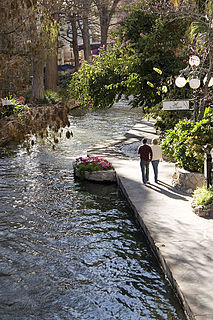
column 187, row 181
column 203, row 211
column 98, row 176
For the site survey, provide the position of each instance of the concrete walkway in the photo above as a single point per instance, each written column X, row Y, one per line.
column 182, row 241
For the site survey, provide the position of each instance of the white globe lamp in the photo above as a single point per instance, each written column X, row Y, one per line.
column 194, row 83
column 180, row 82
column 194, row 61
column 210, row 84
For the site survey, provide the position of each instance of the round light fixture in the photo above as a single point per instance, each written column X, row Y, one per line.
column 194, row 61
column 210, row 82
column 180, row 82
column 194, row 83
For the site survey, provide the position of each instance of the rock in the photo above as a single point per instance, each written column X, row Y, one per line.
column 187, row 181
column 205, row 211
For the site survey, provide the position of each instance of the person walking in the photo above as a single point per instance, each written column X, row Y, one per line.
column 145, row 152
column 156, row 157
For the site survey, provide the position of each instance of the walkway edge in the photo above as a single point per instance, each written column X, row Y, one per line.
column 157, row 252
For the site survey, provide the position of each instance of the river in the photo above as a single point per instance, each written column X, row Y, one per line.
column 70, row 249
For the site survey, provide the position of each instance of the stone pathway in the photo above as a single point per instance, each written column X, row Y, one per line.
column 182, row 241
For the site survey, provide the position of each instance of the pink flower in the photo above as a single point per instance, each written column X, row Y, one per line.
column 90, row 160
column 21, row 99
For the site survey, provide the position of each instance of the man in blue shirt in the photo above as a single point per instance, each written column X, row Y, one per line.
column 145, row 152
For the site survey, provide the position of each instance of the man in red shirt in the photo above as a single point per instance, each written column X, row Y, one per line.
column 145, row 152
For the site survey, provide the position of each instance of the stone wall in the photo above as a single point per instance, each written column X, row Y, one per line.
column 187, row 181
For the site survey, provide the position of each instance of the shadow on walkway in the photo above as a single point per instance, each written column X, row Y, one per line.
column 170, row 192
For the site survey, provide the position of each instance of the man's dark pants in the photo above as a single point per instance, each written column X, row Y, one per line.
column 145, row 170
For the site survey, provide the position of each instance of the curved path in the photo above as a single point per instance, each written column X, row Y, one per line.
column 182, row 241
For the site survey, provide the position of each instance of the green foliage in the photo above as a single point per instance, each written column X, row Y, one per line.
column 199, row 35
column 203, row 196
column 50, row 97
column 158, row 48
column 64, row 80
column 166, row 120
column 14, row 106
column 185, row 143
column 112, row 75
column 144, row 45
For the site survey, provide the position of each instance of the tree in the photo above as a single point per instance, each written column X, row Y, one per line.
column 85, row 5
column 106, row 10
column 76, row 14
column 200, row 13
column 29, row 31
column 149, row 42
column 13, row 45
column 73, row 21
column 51, row 69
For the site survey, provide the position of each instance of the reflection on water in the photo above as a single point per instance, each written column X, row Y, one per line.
column 96, row 127
column 72, row 250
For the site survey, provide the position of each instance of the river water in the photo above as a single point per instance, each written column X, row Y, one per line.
column 70, row 249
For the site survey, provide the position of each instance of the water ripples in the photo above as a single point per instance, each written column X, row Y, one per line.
column 72, row 250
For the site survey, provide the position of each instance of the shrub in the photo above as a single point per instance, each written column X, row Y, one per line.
column 50, row 97
column 185, row 143
column 203, row 196
column 64, row 80
column 13, row 106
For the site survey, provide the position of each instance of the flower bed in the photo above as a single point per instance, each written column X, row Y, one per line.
column 94, row 169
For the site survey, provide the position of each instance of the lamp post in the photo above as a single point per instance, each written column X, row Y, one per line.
column 208, row 165
column 192, row 74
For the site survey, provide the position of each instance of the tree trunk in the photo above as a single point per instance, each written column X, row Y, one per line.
column 104, row 23
column 86, row 39
column 75, row 41
column 106, row 12
column 51, row 71
column 38, row 77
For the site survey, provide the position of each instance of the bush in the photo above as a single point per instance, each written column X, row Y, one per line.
column 203, row 196
column 50, row 97
column 166, row 120
column 64, row 80
column 185, row 143
column 13, row 106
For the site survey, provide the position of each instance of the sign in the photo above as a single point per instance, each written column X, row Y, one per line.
column 6, row 102
column 176, row 105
